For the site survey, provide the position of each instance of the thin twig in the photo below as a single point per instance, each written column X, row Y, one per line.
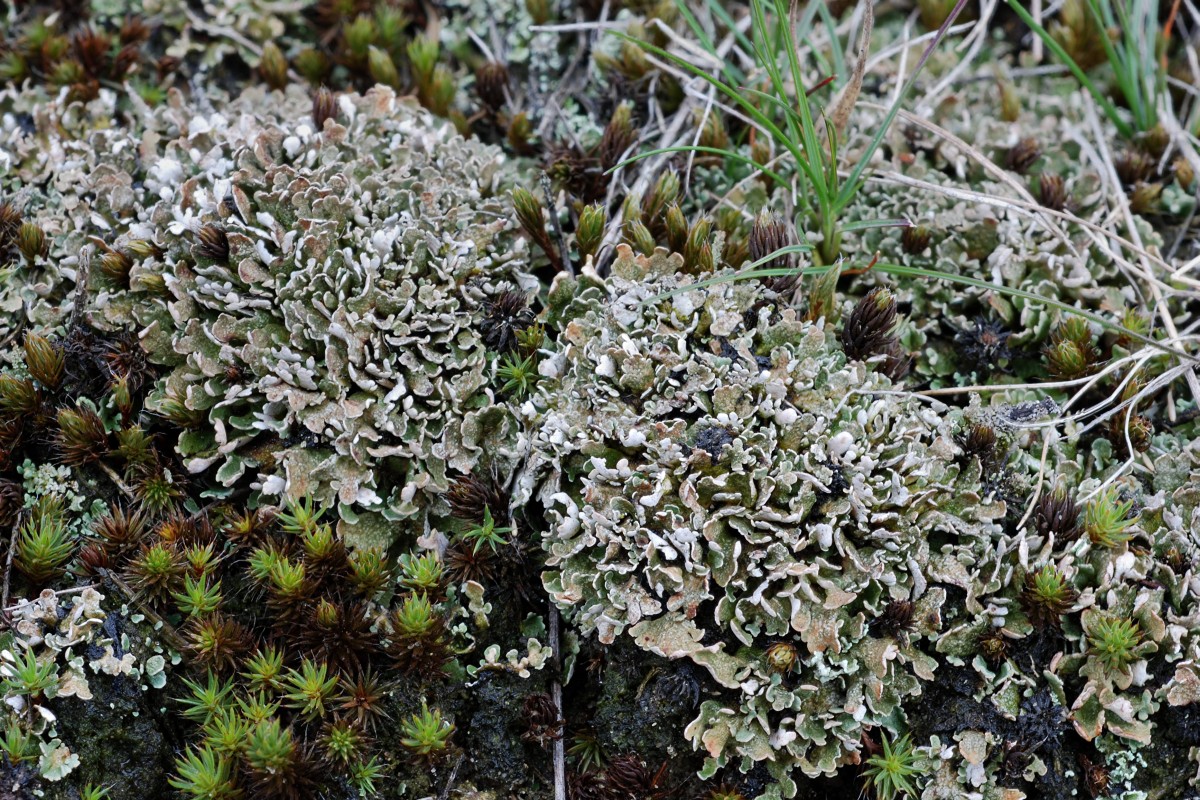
column 564, row 254
column 12, row 549
column 164, row 628
column 58, row 593
column 445, row 793
column 560, row 753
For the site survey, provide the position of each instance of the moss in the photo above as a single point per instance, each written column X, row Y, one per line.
column 120, row 737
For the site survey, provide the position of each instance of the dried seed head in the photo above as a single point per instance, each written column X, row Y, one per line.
column 503, row 319
column 31, row 241
column 324, row 107
column 915, row 239
column 1023, row 155
column 213, row 244
column 1057, row 515
column 491, row 85
column 273, row 66
column 1052, row 192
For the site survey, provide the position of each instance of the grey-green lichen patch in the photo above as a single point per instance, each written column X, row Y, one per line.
column 334, row 350
column 720, row 479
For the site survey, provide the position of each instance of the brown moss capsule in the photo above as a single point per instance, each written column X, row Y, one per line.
column 781, row 657
column 1052, row 192
column 324, row 107
column 45, row 361
column 1057, row 515
column 1023, row 155
column 915, row 239
column 896, row 618
column 212, row 243
column 31, row 241
column 273, row 66
column 769, row 234
column 491, row 85
column 870, row 331
column 1133, row 166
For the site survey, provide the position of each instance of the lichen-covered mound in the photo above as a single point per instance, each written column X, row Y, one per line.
column 325, row 288
column 727, row 486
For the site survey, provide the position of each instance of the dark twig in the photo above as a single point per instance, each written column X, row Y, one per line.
column 168, row 632
column 445, row 794
column 560, row 752
column 12, row 549
column 558, row 233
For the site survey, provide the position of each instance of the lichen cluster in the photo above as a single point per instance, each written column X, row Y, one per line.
column 412, row 400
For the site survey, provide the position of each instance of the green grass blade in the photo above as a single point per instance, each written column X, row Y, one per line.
column 738, row 157
column 1110, row 110
column 732, row 93
column 855, row 181
column 732, row 74
column 866, row 224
